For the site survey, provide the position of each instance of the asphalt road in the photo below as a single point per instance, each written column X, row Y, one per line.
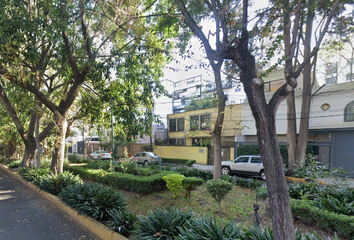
column 24, row 214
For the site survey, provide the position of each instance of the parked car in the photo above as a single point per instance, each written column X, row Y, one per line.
column 250, row 165
column 100, row 154
column 147, row 157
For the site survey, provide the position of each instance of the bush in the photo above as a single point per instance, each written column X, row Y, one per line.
column 127, row 165
column 93, row 200
column 190, row 184
column 55, row 184
column 261, row 192
column 99, row 164
column 304, row 190
column 147, row 148
column 7, row 160
column 194, row 172
column 188, row 162
column 174, row 183
column 337, row 205
column 15, row 164
column 339, row 223
column 129, row 182
column 243, row 182
column 312, row 170
column 74, row 158
column 122, row 222
column 33, row 174
column 209, row 227
column 218, row 189
column 162, row 224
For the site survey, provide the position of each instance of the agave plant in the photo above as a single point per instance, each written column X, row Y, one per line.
column 209, row 227
column 162, row 224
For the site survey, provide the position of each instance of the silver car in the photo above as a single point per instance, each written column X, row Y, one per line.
column 250, row 165
column 100, row 154
column 147, row 157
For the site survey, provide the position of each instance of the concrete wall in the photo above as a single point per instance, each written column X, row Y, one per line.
column 200, row 154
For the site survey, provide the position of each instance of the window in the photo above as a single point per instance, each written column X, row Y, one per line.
column 349, row 112
column 177, row 125
column 256, row 160
column 242, row 160
column 177, row 141
column 200, row 122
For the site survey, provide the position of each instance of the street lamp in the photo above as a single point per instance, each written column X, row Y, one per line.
column 112, row 98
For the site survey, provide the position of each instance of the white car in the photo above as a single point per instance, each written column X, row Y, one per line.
column 147, row 157
column 250, row 165
column 100, row 154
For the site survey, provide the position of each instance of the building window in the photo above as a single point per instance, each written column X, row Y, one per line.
column 201, row 142
column 177, row 141
column 200, row 122
column 349, row 112
column 177, row 125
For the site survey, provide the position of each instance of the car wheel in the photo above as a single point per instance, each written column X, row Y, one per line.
column 146, row 162
column 225, row 170
column 262, row 175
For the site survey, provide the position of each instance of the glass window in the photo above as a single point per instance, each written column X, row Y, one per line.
column 196, row 142
column 242, row 159
column 256, row 160
column 205, row 120
column 349, row 112
column 172, row 141
column 180, row 142
column 194, row 123
column 173, row 125
column 180, row 124
column 143, row 154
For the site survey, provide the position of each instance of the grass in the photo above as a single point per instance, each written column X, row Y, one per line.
column 237, row 205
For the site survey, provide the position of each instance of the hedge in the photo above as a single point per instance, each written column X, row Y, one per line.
column 188, row 162
column 342, row 224
column 129, row 182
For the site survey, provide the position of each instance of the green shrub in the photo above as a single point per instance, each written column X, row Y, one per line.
column 74, row 158
column 218, row 189
column 15, row 164
column 93, row 199
column 174, row 183
column 7, row 160
column 194, row 172
column 129, row 182
column 209, row 227
column 261, row 192
column 55, row 184
column 339, row 223
column 188, row 162
column 147, row 148
column 162, row 224
column 127, row 165
column 243, row 182
column 99, row 164
column 122, row 222
column 337, row 205
column 312, row 170
column 305, row 190
column 190, row 184
column 32, row 174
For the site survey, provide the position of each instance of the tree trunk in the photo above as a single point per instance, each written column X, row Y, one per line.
column 306, row 90
column 219, row 119
column 264, row 115
column 291, row 132
column 11, row 150
column 59, row 146
column 38, row 144
column 29, row 153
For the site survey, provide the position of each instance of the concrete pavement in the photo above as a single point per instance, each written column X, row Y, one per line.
column 24, row 214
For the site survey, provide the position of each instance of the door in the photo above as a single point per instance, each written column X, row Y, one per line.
column 240, row 164
column 343, row 151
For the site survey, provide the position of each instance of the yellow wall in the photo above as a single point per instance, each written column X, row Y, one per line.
column 231, row 126
column 232, row 153
column 200, row 154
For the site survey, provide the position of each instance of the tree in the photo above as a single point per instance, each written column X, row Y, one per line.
column 206, row 102
column 67, row 43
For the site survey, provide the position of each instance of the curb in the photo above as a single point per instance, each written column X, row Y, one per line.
column 90, row 224
column 303, row 180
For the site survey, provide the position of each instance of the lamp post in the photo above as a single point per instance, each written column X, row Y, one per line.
column 112, row 98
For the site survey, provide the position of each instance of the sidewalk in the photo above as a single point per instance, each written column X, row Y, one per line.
column 24, row 214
